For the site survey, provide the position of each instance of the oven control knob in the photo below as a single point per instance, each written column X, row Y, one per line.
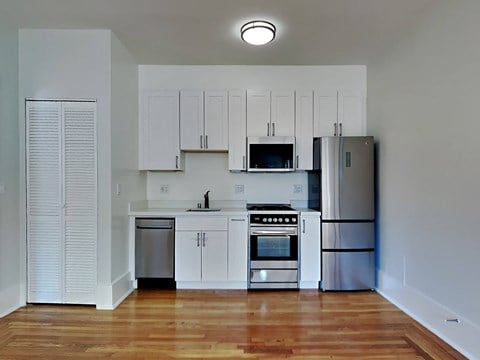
column 269, row 219
column 264, row 219
column 274, row 219
column 294, row 220
column 280, row 220
column 287, row 220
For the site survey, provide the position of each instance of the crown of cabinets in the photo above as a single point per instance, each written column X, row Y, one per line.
column 172, row 122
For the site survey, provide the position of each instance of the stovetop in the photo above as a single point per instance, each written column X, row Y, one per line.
column 269, row 207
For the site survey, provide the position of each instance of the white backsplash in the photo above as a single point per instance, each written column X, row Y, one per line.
column 209, row 171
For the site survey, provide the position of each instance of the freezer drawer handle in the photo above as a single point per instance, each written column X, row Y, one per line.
column 154, row 227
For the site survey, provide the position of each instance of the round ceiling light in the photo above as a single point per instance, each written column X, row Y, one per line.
column 258, row 32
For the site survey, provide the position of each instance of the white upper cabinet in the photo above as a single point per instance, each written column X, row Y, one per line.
column 191, row 120
column 237, row 130
column 351, row 114
column 339, row 113
column 283, row 113
column 203, row 120
column 304, row 129
column 270, row 113
column 258, row 112
column 159, row 131
column 216, row 120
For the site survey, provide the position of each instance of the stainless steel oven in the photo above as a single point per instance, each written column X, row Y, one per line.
column 273, row 248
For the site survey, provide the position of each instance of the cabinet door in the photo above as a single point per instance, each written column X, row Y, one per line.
column 304, row 129
column 80, row 202
column 159, row 132
column 237, row 248
column 283, row 113
column 258, row 113
column 325, row 114
column 214, row 256
column 188, row 256
column 44, row 202
column 351, row 114
column 216, row 120
column 237, row 131
column 191, row 120
column 310, row 249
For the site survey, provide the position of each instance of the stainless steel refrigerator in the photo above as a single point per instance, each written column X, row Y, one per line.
column 341, row 186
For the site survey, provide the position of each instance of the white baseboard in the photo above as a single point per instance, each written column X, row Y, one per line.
column 463, row 336
column 213, row 285
column 10, row 300
column 110, row 296
column 309, row 285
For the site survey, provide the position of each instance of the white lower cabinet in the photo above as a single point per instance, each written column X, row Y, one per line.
column 211, row 252
column 310, row 250
column 200, row 250
column 201, row 256
column 237, row 248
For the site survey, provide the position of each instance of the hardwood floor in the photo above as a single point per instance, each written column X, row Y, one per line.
column 152, row 324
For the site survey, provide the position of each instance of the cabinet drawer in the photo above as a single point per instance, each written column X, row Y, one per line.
column 194, row 223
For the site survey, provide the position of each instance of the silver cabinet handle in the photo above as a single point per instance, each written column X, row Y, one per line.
column 237, row 219
column 206, row 141
column 335, row 129
column 176, row 162
column 340, row 133
column 303, row 223
column 198, row 239
column 296, row 165
column 273, row 129
column 203, row 239
column 201, row 141
column 244, row 162
column 268, row 129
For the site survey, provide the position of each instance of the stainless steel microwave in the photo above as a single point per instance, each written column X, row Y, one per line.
column 271, row 154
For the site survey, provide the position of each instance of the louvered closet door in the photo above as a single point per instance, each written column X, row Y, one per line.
column 44, row 218
column 80, row 194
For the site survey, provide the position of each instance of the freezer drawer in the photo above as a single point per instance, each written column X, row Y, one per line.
column 154, row 248
column 348, row 270
column 337, row 235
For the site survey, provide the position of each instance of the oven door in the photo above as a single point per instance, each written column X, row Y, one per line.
column 273, row 243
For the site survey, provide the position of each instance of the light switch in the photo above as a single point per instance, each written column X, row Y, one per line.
column 164, row 189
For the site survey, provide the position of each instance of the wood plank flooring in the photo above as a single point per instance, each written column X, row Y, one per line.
column 166, row 324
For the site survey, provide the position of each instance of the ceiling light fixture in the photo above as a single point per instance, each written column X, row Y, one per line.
column 258, row 32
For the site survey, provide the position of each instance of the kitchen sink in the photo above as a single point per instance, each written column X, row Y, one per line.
column 203, row 210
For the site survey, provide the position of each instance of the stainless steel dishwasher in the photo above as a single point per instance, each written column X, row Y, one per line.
column 154, row 248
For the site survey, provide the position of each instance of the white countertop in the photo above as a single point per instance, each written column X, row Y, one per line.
column 151, row 212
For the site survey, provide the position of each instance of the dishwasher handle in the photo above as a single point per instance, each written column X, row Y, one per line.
column 159, row 227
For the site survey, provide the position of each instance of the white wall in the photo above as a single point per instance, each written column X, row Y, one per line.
column 124, row 152
column 10, row 278
column 423, row 110
column 74, row 64
column 210, row 171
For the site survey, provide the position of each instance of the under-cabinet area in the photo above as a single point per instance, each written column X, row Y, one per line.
column 211, row 251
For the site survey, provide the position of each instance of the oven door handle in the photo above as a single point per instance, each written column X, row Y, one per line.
column 273, row 232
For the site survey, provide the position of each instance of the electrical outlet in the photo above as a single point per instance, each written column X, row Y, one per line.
column 164, row 189
column 297, row 189
column 239, row 188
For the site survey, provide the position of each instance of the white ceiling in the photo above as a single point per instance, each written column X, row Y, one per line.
column 309, row 32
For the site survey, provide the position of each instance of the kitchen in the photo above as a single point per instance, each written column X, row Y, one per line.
column 399, row 148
